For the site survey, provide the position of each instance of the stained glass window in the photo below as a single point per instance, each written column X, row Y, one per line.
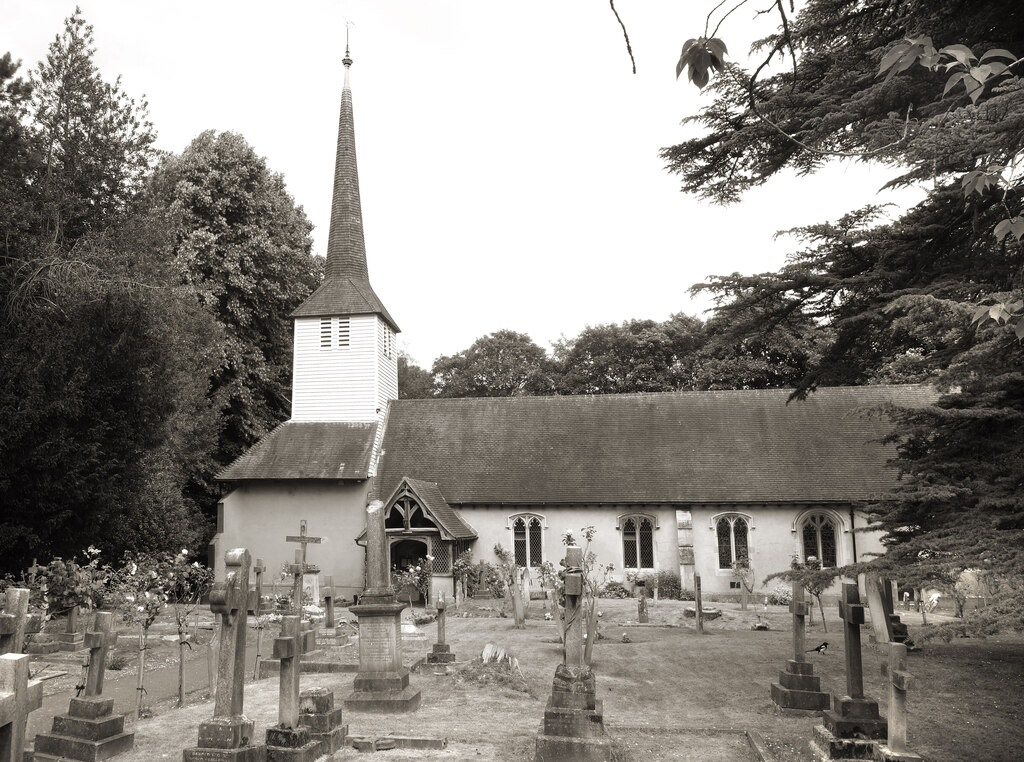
column 629, row 544
column 536, row 546
column 519, row 541
column 733, row 544
column 819, row 539
column 724, row 544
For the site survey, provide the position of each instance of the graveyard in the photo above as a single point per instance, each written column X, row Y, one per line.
column 668, row 691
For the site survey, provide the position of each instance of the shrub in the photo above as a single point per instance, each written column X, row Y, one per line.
column 614, row 589
column 483, row 577
column 780, row 594
column 669, row 586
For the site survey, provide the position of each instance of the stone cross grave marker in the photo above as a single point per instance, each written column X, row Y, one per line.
column 255, row 602
column 289, row 740
column 900, row 681
column 229, row 729
column 71, row 639
column 15, row 622
column 301, row 567
column 98, row 641
column 854, row 718
column 573, row 623
column 18, row 697
column 329, row 601
column 798, row 688
column 441, row 653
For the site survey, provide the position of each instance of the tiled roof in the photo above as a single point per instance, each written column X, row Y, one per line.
column 307, row 451
column 344, row 296
column 686, row 447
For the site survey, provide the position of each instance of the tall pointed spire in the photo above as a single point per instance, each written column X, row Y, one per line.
column 346, row 288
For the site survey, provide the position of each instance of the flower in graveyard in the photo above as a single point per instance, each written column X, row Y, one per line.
column 135, row 568
column 184, row 551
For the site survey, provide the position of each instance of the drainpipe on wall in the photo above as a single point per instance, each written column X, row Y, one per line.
column 853, row 535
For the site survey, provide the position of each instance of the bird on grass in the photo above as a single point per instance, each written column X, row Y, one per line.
column 820, row 649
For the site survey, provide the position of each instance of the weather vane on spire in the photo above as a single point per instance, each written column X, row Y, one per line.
column 347, row 60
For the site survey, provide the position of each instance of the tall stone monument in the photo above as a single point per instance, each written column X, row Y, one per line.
column 850, row 727
column 798, row 688
column 895, row 749
column 228, row 736
column 382, row 683
column 89, row 730
column 573, row 725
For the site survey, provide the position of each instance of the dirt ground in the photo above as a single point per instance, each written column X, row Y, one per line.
column 668, row 693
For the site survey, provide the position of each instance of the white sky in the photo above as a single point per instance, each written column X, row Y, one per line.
column 508, row 157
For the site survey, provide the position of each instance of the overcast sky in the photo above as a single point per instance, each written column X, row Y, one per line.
column 508, row 157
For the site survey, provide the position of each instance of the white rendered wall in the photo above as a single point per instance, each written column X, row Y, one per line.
column 259, row 517
column 340, row 383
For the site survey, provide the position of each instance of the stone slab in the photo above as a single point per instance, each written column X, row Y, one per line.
column 381, row 681
column 270, row 667
column 91, row 708
column 385, row 702
column 884, row 754
column 67, row 747
column 576, row 723
column 225, row 733
column 559, row 748
column 800, row 682
column 316, row 701
column 799, row 667
column 331, row 741
column 91, row 729
column 321, row 722
column 370, row 743
column 440, row 658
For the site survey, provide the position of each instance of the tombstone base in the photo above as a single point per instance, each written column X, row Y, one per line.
column 828, row 746
column 798, row 688
column 388, row 702
column 441, row 654
column 245, row 754
column 87, row 732
column 573, row 725
column 71, row 641
column 853, row 718
column 291, row 745
column 382, row 683
column 317, row 712
column 884, row 754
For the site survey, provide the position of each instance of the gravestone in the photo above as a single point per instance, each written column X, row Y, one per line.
column 895, row 749
column 300, row 568
column 798, row 688
column 289, row 741
column 442, row 652
column 317, row 712
column 18, row 697
column 89, row 730
column 853, row 722
column 885, row 622
column 255, row 603
column 228, row 736
column 641, row 606
column 382, row 683
column 16, row 623
column 71, row 639
column 328, row 593
column 573, row 726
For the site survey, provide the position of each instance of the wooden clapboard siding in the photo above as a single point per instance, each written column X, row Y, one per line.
column 337, row 384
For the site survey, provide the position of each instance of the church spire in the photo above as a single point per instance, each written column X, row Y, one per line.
column 346, row 288
column 346, row 247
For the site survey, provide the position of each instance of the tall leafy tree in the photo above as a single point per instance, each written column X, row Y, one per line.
column 899, row 296
column 242, row 248
column 501, row 364
column 96, row 141
column 414, row 382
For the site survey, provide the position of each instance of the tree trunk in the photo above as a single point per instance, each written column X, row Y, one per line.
column 142, row 671
column 181, row 670
column 821, row 608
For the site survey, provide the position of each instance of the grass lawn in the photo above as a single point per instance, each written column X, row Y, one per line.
column 668, row 693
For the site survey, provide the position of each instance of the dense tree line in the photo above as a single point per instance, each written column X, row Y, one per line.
column 144, row 332
column 681, row 353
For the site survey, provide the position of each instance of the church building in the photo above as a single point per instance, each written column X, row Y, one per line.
column 686, row 482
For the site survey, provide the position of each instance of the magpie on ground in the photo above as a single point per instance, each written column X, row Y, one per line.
column 820, row 649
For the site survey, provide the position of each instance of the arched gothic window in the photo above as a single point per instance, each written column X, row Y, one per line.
column 637, row 542
column 819, row 533
column 527, row 541
column 733, row 545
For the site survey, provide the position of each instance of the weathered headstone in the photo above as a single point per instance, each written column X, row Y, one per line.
column 255, row 604
column 886, row 624
column 289, row 741
column 698, row 601
column 328, row 593
column 71, row 639
column 641, row 606
column 798, row 688
column 573, row 726
column 442, row 652
column 300, row 568
column 15, row 622
column 18, row 697
column 89, row 730
column 382, row 683
column 317, row 712
column 228, row 736
column 900, row 680
column 853, row 721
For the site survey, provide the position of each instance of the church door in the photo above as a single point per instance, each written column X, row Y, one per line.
column 405, row 553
